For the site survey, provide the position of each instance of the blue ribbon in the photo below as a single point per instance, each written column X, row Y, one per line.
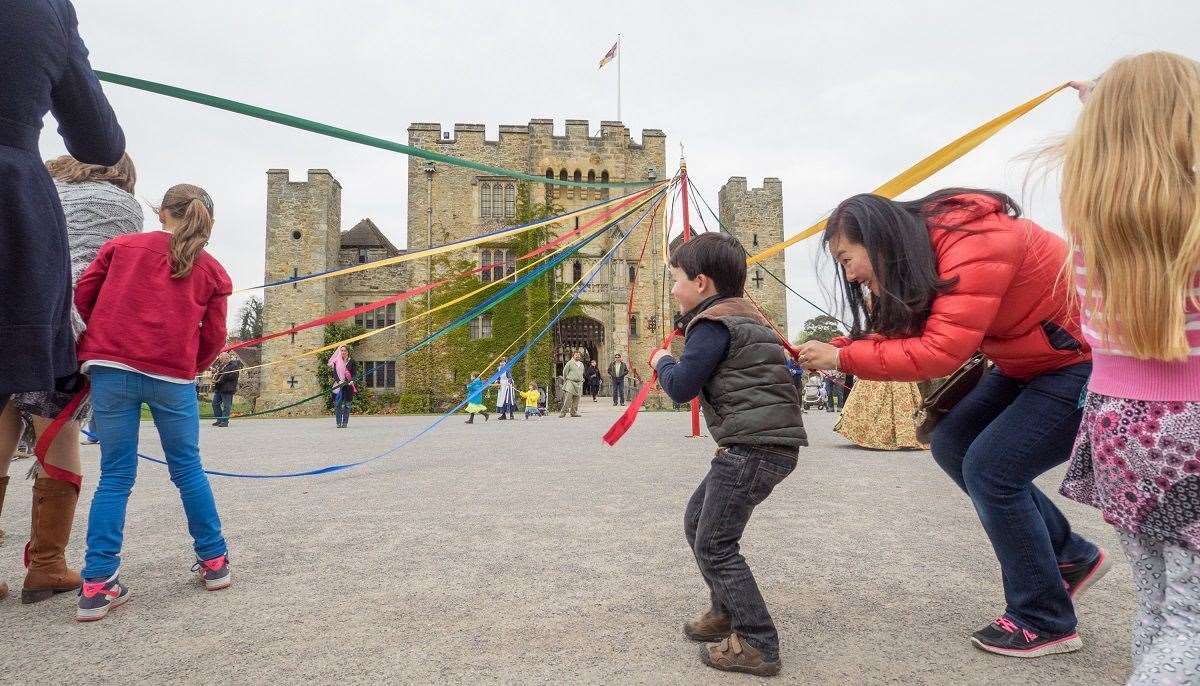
column 333, row 468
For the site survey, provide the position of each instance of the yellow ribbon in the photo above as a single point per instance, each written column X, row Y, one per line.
column 924, row 169
column 462, row 245
column 354, row 339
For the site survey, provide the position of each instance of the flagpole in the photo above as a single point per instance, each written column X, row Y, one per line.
column 618, row 77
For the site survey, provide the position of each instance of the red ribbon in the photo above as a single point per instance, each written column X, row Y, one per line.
column 575, row 232
column 47, row 439
column 626, row 420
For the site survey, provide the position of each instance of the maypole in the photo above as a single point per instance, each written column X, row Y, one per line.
column 687, row 236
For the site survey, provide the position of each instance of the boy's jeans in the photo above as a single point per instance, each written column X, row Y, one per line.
column 993, row 444
column 741, row 477
column 117, row 397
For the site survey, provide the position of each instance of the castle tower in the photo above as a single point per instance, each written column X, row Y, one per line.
column 303, row 236
column 755, row 216
column 447, row 203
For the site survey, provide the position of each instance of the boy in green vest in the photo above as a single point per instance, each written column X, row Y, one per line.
column 734, row 361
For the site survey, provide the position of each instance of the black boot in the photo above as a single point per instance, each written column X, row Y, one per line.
column 471, row 419
column 485, row 416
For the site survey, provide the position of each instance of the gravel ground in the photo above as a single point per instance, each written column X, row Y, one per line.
column 529, row 552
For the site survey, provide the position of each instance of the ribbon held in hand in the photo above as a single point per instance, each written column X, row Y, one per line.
column 626, row 420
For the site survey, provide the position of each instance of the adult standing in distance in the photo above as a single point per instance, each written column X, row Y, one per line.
column 617, row 372
column 591, row 383
column 44, row 68
column 572, row 385
column 225, row 385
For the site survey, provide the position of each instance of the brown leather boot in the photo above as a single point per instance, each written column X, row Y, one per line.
column 3, row 488
column 45, row 555
column 734, row 655
column 708, row 626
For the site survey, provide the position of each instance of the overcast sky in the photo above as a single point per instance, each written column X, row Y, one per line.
column 832, row 97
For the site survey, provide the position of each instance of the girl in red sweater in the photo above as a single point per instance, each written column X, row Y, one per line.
column 155, row 305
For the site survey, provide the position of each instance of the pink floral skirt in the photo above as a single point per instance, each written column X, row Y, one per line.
column 1138, row 461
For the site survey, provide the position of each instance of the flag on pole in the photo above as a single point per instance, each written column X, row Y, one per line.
column 612, row 52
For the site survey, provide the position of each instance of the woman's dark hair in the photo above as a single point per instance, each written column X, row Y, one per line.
column 896, row 237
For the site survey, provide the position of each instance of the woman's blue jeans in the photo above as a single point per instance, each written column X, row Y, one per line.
column 117, row 397
column 993, row 444
column 341, row 407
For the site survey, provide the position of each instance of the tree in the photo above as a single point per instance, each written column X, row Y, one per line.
column 250, row 319
column 823, row 328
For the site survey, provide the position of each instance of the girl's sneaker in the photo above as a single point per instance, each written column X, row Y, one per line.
column 215, row 572
column 1004, row 637
column 96, row 598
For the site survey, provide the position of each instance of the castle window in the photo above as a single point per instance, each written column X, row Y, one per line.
column 485, row 259
column 604, row 179
column 296, row 235
column 562, row 176
column 499, row 259
column 633, row 333
column 391, row 314
column 362, row 255
column 379, row 374
column 510, row 201
column 756, row 240
column 583, row 194
column 497, row 200
column 592, row 179
column 576, row 271
column 358, row 318
column 481, row 327
column 485, row 200
column 510, row 263
column 632, row 274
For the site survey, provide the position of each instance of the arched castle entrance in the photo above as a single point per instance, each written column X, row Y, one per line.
column 577, row 334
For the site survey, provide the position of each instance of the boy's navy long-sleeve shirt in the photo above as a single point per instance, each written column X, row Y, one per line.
column 705, row 347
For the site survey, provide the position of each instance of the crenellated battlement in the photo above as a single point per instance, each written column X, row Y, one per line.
column 575, row 131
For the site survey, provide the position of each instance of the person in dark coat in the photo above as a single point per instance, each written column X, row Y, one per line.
column 225, row 385
column 591, row 380
column 43, row 68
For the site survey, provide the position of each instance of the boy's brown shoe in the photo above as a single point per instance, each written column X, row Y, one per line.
column 708, row 627
column 732, row 655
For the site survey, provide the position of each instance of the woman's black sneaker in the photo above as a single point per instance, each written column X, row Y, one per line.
column 1004, row 637
column 1080, row 577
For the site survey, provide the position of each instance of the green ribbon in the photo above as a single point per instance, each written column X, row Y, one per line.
column 344, row 134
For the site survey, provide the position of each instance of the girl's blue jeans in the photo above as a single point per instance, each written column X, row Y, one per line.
column 117, row 397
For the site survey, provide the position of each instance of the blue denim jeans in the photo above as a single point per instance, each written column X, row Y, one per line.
column 341, row 407
column 993, row 444
column 117, row 397
column 222, row 407
column 741, row 477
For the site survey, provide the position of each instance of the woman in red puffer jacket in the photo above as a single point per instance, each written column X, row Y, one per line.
column 949, row 275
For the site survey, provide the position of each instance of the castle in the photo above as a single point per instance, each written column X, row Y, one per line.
column 446, row 203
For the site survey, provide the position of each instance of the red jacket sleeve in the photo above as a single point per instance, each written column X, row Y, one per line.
column 984, row 262
column 87, row 289
column 212, row 328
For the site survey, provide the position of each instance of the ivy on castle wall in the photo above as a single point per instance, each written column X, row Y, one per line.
column 435, row 377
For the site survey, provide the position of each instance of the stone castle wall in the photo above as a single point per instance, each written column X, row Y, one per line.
column 755, row 216
column 303, row 230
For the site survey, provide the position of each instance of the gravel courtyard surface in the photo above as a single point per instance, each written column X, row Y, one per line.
column 529, row 552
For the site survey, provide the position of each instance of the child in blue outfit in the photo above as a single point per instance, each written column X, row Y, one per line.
column 475, row 399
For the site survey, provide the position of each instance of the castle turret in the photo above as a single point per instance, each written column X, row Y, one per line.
column 303, row 236
column 755, row 216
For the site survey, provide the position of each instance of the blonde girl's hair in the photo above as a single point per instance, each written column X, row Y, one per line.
column 193, row 207
column 1130, row 202
column 67, row 169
